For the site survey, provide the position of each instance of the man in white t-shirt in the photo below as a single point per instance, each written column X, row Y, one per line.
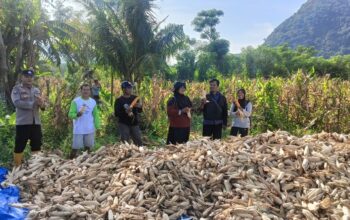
column 86, row 120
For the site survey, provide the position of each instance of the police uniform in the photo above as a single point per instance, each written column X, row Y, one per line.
column 28, row 124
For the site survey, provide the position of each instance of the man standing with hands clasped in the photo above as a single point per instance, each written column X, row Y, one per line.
column 27, row 100
column 86, row 120
column 214, row 107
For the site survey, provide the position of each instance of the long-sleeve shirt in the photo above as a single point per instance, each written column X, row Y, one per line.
column 120, row 110
column 242, row 122
column 27, row 109
column 177, row 119
column 89, row 121
column 215, row 111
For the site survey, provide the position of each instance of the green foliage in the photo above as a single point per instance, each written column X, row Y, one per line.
column 206, row 21
column 186, row 65
column 128, row 38
column 204, row 64
column 283, row 61
column 300, row 104
column 7, row 129
column 7, row 139
column 7, row 143
column 267, row 96
column 220, row 47
column 213, row 55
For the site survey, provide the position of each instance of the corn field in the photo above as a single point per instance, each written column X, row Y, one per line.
column 300, row 104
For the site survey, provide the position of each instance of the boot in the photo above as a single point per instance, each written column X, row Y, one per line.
column 18, row 157
column 73, row 153
column 88, row 149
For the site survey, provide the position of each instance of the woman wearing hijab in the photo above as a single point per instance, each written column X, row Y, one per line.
column 241, row 111
column 179, row 114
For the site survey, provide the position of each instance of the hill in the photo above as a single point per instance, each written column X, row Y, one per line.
column 322, row 24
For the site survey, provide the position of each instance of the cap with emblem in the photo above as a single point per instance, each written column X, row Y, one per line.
column 28, row 72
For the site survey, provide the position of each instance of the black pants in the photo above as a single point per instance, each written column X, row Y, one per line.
column 242, row 131
column 213, row 131
column 25, row 133
column 178, row 135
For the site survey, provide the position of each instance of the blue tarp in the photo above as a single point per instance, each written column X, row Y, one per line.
column 8, row 196
column 3, row 173
column 184, row 217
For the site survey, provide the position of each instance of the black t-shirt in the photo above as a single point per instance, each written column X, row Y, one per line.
column 120, row 111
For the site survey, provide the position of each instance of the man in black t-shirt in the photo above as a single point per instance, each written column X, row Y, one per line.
column 126, row 108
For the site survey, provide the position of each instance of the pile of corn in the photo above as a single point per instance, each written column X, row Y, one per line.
column 270, row 176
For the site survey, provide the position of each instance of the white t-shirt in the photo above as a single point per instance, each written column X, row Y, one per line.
column 85, row 123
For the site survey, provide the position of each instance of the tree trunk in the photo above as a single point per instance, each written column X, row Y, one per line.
column 4, row 71
column 19, row 57
column 112, row 87
column 47, row 88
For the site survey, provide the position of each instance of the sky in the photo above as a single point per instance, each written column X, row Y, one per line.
column 245, row 22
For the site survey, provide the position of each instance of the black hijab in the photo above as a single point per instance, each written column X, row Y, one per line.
column 243, row 102
column 180, row 100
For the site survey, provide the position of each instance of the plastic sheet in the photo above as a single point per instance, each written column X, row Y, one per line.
column 8, row 196
column 184, row 217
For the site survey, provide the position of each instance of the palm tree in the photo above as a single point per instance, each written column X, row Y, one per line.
column 129, row 39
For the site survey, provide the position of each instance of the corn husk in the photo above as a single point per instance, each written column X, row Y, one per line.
column 270, row 176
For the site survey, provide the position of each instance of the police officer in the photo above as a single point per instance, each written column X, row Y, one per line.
column 27, row 100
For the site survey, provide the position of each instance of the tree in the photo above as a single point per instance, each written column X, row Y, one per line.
column 249, row 65
column 204, row 64
column 217, row 49
column 17, row 18
column 205, row 23
column 62, row 13
column 3, row 70
column 128, row 38
column 220, row 48
column 186, row 65
column 26, row 36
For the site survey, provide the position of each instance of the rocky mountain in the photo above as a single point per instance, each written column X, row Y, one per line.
column 322, row 24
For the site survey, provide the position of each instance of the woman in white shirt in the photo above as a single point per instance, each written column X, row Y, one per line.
column 241, row 111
